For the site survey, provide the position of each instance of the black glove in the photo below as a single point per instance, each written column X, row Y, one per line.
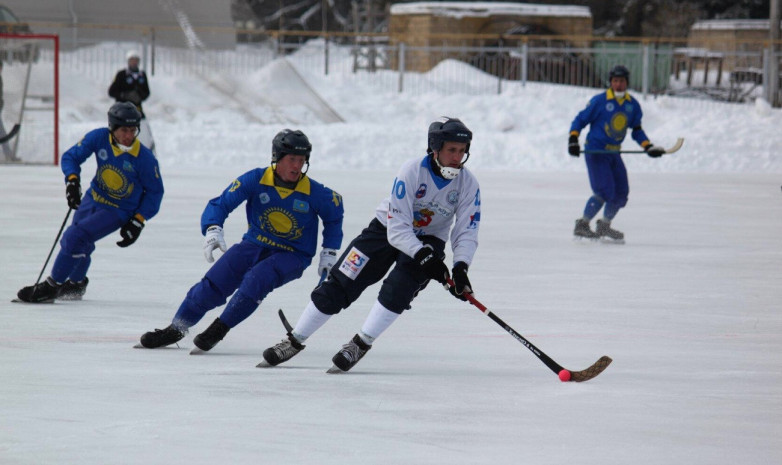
column 460, row 281
column 130, row 232
column 654, row 151
column 73, row 193
column 433, row 267
column 572, row 146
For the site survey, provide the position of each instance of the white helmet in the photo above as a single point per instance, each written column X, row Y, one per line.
column 133, row 54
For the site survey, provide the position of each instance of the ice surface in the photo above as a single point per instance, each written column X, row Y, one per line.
column 688, row 308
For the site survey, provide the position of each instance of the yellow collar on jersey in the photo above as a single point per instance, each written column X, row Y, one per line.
column 302, row 186
column 135, row 147
column 610, row 95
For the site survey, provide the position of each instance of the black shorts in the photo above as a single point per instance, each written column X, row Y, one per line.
column 365, row 261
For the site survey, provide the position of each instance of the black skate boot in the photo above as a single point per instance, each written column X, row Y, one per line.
column 582, row 230
column 162, row 337
column 211, row 336
column 44, row 292
column 350, row 354
column 73, row 291
column 609, row 235
column 281, row 352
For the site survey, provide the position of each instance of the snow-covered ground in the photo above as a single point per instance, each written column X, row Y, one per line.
column 688, row 308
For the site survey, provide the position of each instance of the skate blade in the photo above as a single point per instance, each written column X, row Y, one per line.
column 584, row 240
column 197, row 351
column 19, row 301
column 605, row 240
column 139, row 346
column 264, row 364
column 335, row 370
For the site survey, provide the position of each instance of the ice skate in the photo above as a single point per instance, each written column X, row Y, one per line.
column 41, row 293
column 349, row 356
column 583, row 231
column 73, row 291
column 161, row 337
column 281, row 352
column 609, row 235
column 210, row 337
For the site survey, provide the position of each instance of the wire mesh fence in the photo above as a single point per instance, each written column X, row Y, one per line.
column 656, row 66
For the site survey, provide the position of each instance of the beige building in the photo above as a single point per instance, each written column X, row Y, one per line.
column 728, row 45
column 479, row 23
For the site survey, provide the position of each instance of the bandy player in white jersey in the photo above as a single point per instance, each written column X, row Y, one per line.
column 432, row 197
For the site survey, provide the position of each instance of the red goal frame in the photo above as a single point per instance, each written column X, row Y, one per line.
column 56, row 39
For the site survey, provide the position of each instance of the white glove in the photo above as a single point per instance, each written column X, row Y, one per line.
column 213, row 240
column 328, row 257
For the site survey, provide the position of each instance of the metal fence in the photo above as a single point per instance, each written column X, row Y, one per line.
column 657, row 67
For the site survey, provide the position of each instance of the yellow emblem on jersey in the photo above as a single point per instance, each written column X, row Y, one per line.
column 114, row 182
column 281, row 223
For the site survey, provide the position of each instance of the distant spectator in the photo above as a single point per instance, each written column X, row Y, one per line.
column 131, row 85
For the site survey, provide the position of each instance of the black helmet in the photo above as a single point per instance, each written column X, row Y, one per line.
column 450, row 130
column 124, row 114
column 289, row 142
column 619, row 71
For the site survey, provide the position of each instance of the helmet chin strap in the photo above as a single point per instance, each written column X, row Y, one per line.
column 446, row 171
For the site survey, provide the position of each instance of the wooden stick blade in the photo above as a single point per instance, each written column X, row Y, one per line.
column 596, row 368
column 676, row 146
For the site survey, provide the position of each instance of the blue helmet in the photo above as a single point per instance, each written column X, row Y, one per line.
column 450, row 130
column 124, row 114
column 289, row 142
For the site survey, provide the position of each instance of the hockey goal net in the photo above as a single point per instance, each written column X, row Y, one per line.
column 30, row 99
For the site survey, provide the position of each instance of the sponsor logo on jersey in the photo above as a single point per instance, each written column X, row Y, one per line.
column 435, row 208
column 264, row 197
column 422, row 218
column 474, row 219
column 128, row 166
column 610, row 106
column 421, row 191
column 353, row 263
column 453, row 197
column 103, row 155
column 300, row 206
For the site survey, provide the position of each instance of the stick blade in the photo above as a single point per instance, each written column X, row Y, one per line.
column 594, row 370
column 676, row 146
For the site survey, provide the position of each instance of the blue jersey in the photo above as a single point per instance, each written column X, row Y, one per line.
column 129, row 181
column 281, row 218
column 609, row 119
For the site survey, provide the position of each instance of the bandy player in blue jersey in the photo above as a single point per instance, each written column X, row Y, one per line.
column 125, row 192
column 283, row 206
column 609, row 115
column 432, row 198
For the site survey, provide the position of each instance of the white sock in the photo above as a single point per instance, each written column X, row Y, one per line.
column 309, row 322
column 378, row 320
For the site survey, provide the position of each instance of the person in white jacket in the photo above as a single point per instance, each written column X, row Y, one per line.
column 432, row 197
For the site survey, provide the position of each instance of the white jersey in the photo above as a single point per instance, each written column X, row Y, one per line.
column 422, row 203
